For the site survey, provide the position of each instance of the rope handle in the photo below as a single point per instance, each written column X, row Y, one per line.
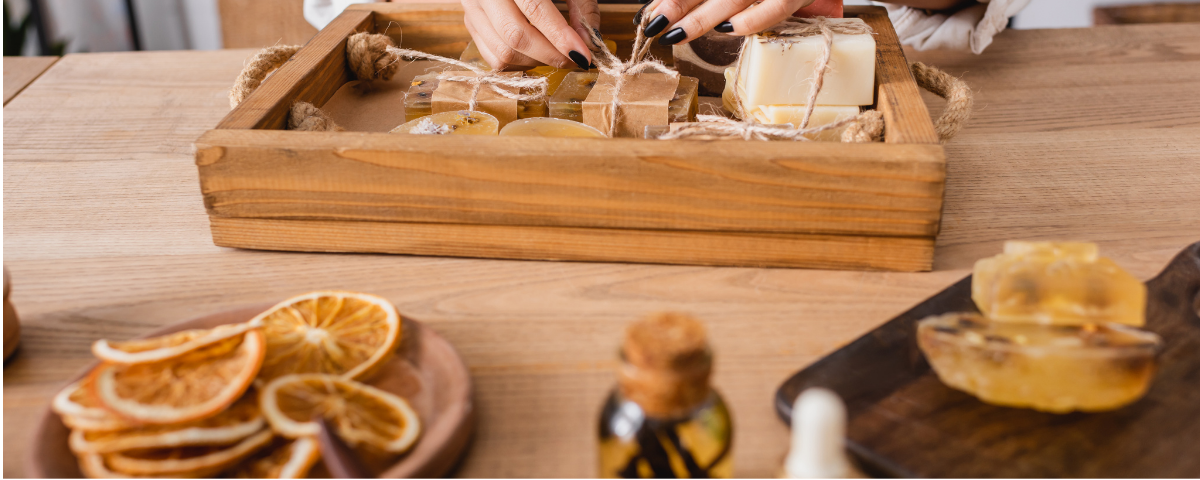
column 263, row 63
column 959, row 98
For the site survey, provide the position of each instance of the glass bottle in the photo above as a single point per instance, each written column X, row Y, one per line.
column 664, row 420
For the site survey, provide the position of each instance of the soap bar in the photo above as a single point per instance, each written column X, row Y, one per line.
column 706, row 59
column 822, row 115
column 1055, row 369
column 462, row 122
column 549, row 127
column 554, row 75
column 418, row 100
column 567, row 102
column 779, row 71
column 471, row 56
column 1056, row 284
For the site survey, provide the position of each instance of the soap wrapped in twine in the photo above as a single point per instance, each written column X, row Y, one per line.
column 374, row 56
column 303, row 116
column 609, row 64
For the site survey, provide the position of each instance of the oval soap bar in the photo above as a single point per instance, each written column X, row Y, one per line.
column 462, row 122
column 550, row 127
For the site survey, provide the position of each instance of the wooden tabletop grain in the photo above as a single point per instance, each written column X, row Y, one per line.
column 19, row 72
column 1087, row 134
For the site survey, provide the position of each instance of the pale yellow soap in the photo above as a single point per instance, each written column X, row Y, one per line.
column 462, row 122
column 822, row 115
column 549, row 127
column 781, row 73
column 1055, row 283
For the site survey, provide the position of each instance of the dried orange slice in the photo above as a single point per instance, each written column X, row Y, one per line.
column 361, row 414
column 283, row 459
column 197, row 385
column 94, row 465
column 339, row 333
column 165, row 347
column 237, row 422
column 80, row 411
column 186, row 461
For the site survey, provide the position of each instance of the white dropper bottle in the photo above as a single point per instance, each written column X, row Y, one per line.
column 818, row 438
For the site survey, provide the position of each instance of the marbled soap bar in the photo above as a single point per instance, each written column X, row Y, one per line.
column 1057, row 284
column 462, row 122
column 1055, row 369
column 778, row 71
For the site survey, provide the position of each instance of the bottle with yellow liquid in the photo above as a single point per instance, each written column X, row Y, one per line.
column 664, row 420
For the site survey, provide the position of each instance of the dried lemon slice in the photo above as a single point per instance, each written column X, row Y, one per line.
column 283, row 459
column 197, row 385
column 186, row 461
column 360, row 413
column 80, row 411
column 339, row 333
column 239, row 421
column 165, row 347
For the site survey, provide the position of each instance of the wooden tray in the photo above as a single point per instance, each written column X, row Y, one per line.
column 426, row 371
column 904, row 422
column 770, row 204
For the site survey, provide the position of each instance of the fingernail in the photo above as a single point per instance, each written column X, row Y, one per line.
column 637, row 17
column 672, row 37
column 579, row 59
column 657, row 25
column 598, row 34
column 724, row 27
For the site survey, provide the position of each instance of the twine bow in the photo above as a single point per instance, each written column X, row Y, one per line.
column 788, row 31
column 621, row 70
column 374, row 55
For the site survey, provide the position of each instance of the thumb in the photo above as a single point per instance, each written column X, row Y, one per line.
column 583, row 13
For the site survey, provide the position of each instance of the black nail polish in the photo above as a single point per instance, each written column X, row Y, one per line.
column 672, row 37
column 637, row 17
column 724, row 27
column 579, row 59
column 657, row 25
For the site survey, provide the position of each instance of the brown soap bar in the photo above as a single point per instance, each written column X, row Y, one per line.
column 706, row 59
column 567, row 101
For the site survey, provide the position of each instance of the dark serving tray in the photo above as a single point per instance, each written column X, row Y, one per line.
column 904, row 422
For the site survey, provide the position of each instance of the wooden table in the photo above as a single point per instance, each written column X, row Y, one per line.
column 1079, row 134
column 19, row 72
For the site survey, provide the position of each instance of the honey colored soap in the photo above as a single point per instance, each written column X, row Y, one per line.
column 1055, row 369
column 822, row 115
column 567, row 101
column 776, row 71
column 418, row 100
column 1056, row 284
column 462, row 122
column 549, row 127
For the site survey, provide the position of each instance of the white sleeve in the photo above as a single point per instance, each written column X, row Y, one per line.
column 320, row 12
column 971, row 28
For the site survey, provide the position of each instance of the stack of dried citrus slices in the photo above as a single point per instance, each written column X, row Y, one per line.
column 241, row 399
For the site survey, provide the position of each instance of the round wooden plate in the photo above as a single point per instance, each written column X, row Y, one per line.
column 426, row 371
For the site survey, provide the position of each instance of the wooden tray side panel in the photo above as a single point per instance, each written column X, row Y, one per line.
column 892, row 190
column 899, row 98
column 840, row 252
column 312, row 75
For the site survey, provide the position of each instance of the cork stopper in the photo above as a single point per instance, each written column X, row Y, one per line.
column 667, row 364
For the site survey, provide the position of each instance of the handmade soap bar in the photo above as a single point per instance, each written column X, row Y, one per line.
column 779, row 70
column 822, row 115
column 1056, row 284
column 418, row 100
column 706, row 59
column 549, row 127
column 472, row 56
column 555, row 75
column 462, row 122
column 1055, row 369
column 567, row 101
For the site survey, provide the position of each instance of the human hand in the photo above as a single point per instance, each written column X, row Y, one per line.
column 689, row 19
column 526, row 33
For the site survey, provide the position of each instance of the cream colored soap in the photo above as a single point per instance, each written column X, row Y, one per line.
column 549, row 127
column 822, row 115
column 781, row 73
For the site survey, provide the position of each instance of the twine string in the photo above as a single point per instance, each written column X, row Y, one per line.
column 718, row 126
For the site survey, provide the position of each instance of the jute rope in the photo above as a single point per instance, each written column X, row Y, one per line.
column 867, row 127
column 374, row 56
column 959, row 98
column 303, row 116
column 608, row 63
column 263, row 63
column 718, row 126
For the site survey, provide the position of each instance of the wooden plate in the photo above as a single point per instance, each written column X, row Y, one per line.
column 427, row 372
column 904, row 422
